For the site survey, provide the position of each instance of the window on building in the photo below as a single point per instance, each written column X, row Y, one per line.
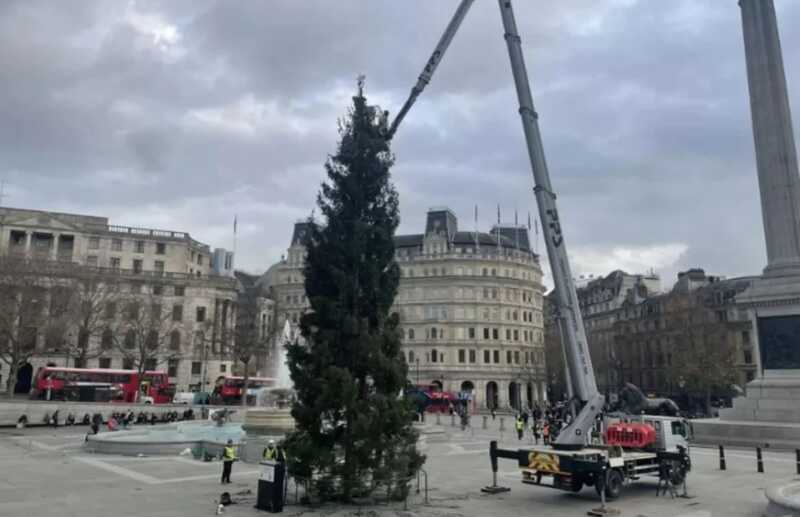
column 138, row 247
column 104, row 363
column 746, row 337
column 200, row 314
column 471, row 332
column 127, row 363
column 485, row 272
column 137, row 265
column 434, row 356
column 516, row 357
column 158, row 266
column 158, row 289
column 485, row 292
column 411, row 357
column 107, row 340
column 485, row 333
column 508, row 356
column 495, row 334
column 114, row 263
column 516, row 335
column 749, row 376
column 197, row 367
column 172, row 368
column 496, row 356
column 133, row 310
column 161, row 248
column 116, row 245
column 508, row 334
column 487, row 356
column 94, row 243
column 175, row 340
column 748, row 357
column 179, row 290
column 472, row 356
column 462, row 356
column 199, row 260
column 91, row 260
column 111, row 310
column 130, row 339
column 411, row 334
column 223, row 368
column 494, row 272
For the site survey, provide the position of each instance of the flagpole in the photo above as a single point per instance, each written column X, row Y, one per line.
column 233, row 260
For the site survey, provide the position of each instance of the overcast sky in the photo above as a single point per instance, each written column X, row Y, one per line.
column 180, row 114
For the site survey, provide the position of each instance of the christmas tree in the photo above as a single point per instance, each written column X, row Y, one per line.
column 353, row 429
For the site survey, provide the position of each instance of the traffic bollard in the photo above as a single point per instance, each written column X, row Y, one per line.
column 502, row 424
column 797, row 458
column 721, row 458
column 759, row 460
column 486, row 426
column 452, row 420
column 438, row 419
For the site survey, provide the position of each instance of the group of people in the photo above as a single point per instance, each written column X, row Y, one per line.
column 272, row 452
column 543, row 422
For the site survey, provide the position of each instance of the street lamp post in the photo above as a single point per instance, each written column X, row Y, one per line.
column 417, row 361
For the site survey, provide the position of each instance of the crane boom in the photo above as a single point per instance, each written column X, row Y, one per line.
column 433, row 62
column 579, row 363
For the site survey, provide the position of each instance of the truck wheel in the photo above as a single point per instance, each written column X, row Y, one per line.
column 614, row 484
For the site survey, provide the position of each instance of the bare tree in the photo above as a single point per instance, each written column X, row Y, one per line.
column 22, row 302
column 146, row 334
column 704, row 357
column 250, row 338
column 95, row 304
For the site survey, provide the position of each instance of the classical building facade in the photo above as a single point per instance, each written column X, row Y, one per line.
column 165, row 269
column 470, row 306
column 650, row 338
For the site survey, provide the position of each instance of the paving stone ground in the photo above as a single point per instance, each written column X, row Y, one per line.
column 45, row 473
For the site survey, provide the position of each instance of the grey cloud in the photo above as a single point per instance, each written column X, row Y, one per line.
column 643, row 107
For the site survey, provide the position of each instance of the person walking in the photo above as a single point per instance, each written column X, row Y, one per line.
column 228, row 457
column 536, row 430
column 494, row 413
column 520, row 426
column 546, row 433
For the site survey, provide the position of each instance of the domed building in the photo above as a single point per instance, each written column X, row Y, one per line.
column 470, row 306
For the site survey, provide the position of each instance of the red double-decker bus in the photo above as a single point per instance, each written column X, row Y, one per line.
column 228, row 389
column 56, row 383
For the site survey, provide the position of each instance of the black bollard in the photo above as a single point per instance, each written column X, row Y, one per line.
column 797, row 458
column 759, row 460
column 721, row 458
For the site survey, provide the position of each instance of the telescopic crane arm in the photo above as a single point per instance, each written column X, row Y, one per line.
column 579, row 363
column 433, row 62
column 580, row 373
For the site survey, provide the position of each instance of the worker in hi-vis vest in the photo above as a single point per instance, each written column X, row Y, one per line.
column 274, row 453
column 228, row 457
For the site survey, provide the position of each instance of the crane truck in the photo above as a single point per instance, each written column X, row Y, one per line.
column 633, row 445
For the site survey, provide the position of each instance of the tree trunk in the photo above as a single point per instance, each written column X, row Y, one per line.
column 11, row 382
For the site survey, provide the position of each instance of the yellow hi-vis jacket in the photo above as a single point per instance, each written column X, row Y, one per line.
column 274, row 454
column 229, row 454
column 520, row 424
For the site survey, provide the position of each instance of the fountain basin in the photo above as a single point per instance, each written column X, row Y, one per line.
column 166, row 439
column 784, row 500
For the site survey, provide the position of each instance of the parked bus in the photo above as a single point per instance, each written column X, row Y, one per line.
column 228, row 388
column 56, row 383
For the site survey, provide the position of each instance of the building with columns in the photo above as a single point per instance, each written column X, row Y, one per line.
column 470, row 306
column 168, row 268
